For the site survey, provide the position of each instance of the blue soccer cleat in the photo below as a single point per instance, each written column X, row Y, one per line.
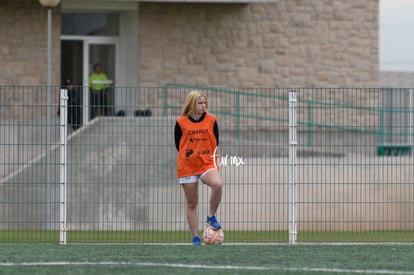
column 196, row 240
column 212, row 221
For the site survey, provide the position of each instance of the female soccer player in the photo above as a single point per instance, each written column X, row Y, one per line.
column 196, row 139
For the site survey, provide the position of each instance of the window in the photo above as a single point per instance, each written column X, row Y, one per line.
column 90, row 24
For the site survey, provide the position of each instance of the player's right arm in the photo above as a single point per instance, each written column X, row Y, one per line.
column 178, row 133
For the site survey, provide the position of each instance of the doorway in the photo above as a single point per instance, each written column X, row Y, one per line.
column 79, row 55
column 106, row 33
column 87, row 39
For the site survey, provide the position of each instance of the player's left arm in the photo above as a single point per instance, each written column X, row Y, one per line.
column 216, row 132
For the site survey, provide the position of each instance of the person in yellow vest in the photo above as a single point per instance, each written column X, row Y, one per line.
column 98, row 83
column 196, row 137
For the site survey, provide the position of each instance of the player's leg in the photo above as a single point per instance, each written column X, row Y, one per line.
column 191, row 195
column 213, row 179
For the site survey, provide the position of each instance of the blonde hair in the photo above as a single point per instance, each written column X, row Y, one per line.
column 190, row 106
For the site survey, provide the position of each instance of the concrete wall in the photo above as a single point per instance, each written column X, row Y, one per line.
column 122, row 176
column 396, row 79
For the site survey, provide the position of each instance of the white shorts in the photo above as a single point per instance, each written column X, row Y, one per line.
column 192, row 179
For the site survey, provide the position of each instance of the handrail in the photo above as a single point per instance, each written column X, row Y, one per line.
column 381, row 133
column 236, row 93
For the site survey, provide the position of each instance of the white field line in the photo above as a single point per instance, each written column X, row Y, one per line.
column 216, row 267
column 243, row 244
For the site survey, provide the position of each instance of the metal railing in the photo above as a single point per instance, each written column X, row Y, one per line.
column 383, row 131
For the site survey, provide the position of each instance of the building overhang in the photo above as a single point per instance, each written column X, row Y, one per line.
column 175, row 1
column 211, row 1
column 129, row 5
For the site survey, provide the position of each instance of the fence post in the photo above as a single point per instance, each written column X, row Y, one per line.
column 310, row 124
column 411, row 125
column 63, row 162
column 292, row 167
column 165, row 100
column 237, row 106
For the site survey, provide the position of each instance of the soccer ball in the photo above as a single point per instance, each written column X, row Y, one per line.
column 212, row 236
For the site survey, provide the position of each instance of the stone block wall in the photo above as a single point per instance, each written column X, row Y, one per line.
column 322, row 43
column 288, row 43
column 23, row 47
